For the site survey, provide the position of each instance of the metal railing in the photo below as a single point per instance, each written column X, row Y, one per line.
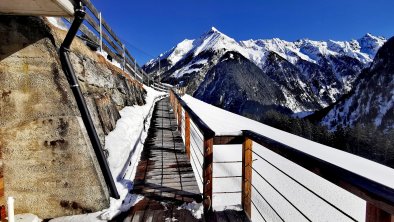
column 199, row 141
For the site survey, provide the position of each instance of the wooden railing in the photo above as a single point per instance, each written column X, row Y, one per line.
column 379, row 198
column 99, row 35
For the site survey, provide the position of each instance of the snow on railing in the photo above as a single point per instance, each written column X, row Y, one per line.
column 278, row 181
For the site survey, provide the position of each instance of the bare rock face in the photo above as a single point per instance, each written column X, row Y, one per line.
column 47, row 161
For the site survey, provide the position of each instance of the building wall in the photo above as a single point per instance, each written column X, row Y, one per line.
column 47, row 162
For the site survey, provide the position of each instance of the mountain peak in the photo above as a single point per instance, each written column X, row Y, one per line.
column 213, row 29
column 373, row 37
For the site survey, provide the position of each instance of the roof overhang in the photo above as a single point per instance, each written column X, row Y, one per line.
column 61, row 8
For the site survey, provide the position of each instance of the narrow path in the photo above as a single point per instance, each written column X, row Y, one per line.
column 165, row 176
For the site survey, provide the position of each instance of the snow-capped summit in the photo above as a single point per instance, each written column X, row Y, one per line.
column 311, row 74
column 215, row 40
column 363, row 50
column 213, row 29
column 370, row 44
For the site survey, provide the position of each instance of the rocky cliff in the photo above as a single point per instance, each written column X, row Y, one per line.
column 47, row 162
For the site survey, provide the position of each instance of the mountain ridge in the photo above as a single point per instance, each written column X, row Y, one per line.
column 311, row 74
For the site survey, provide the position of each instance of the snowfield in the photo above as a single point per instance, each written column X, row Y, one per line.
column 265, row 163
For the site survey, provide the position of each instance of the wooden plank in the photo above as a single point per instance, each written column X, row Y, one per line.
column 247, row 175
column 148, row 215
column 208, row 170
column 132, row 59
column 158, row 215
column 375, row 214
column 236, row 216
column 224, row 140
column 95, row 12
column 85, row 30
column 96, row 26
column 91, row 7
column 187, row 134
column 138, row 216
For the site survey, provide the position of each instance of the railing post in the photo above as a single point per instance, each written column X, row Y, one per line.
column 101, row 33
column 207, row 175
column 375, row 214
column 124, row 57
column 179, row 112
column 187, row 134
column 247, row 175
column 135, row 69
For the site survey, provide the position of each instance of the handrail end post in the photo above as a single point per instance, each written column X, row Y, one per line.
column 247, row 161
column 374, row 214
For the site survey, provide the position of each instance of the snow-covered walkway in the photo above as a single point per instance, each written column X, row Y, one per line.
column 165, row 177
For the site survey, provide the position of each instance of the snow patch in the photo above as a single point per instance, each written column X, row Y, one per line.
column 57, row 22
column 124, row 145
column 27, row 218
column 197, row 209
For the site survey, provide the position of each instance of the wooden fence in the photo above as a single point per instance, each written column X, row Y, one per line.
column 99, row 35
column 379, row 198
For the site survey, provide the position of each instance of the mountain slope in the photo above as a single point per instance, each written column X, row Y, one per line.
column 372, row 100
column 310, row 74
column 238, row 85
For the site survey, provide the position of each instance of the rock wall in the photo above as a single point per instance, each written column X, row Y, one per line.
column 47, row 161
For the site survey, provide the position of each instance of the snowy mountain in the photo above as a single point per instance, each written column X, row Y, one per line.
column 310, row 74
column 238, row 85
column 372, row 100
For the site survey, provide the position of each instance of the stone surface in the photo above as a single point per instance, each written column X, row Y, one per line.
column 47, row 161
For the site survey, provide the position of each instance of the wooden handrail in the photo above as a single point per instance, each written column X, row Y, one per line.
column 201, row 125
column 379, row 198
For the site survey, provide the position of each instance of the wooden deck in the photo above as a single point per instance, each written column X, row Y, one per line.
column 165, row 177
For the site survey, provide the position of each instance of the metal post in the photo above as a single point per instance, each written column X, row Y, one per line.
column 159, row 70
column 135, row 69
column 124, row 57
column 101, row 33
column 87, row 120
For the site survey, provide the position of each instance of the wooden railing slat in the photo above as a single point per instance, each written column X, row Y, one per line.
column 96, row 26
column 95, row 12
column 112, row 39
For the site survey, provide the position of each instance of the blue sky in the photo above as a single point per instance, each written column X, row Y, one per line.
column 150, row 27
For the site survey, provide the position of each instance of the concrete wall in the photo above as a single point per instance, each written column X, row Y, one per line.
column 47, row 161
